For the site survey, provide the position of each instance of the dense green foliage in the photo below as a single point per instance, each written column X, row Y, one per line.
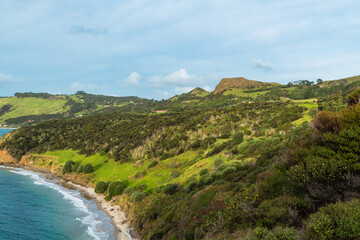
column 68, row 167
column 81, row 103
column 4, row 109
column 124, row 136
column 101, row 187
column 240, row 170
column 88, row 168
column 335, row 221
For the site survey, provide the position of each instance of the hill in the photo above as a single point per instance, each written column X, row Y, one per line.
column 242, row 83
column 218, row 166
column 199, row 92
column 32, row 108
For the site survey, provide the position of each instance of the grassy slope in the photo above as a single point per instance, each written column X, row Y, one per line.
column 309, row 104
column 241, row 93
column 188, row 164
column 32, row 106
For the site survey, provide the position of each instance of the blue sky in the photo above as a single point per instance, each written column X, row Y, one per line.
column 160, row 48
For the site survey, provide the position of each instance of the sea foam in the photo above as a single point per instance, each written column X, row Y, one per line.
column 91, row 214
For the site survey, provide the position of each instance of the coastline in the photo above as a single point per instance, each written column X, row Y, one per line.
column 123, row 230
column 119, row 219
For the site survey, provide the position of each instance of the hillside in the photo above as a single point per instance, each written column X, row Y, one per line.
column 253, row 167
column 242, row 83
column 32, row 108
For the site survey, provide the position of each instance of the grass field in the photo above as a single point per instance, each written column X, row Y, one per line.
column 32, row 106
column 186, row 166
column 241, row 93
column 309, row 104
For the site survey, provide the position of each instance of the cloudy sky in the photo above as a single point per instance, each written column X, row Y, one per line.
column 159, row 48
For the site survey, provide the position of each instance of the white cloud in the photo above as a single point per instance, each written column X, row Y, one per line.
column 180, row 77
column 133, row 79
column 207, row 88
column 259, row 63
column 76, row 86
column 162, row 94
column 96, row 31
column 180, row 90
column 7, row 78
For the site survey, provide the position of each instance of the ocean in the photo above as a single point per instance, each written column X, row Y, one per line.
column 33, row 207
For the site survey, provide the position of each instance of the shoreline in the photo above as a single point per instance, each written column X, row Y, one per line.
column 119, row 219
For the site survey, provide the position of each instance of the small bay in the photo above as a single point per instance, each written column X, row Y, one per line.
column 33, row 207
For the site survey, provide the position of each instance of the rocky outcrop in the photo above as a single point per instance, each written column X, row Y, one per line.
column 240, row 82
column 6, row 158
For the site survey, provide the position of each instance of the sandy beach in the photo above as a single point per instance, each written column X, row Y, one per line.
column 119, row 219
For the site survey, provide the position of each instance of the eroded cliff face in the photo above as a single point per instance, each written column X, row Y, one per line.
column 51, row 164
column 6, row 158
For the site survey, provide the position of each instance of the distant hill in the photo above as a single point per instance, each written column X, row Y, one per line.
column 199, row 92
column 240, row 82
column 32, row 108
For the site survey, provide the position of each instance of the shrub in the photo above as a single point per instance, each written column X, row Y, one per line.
column 225, row 135
column 227, row 171
column 282, row 211
column 207, row 179
column 88, row 168
column 119, row 189
column 166, row 156
column 196, row 144
column 137, row 196
column 153, row 164
column 353, row 98
column 279, row 233
column 115, row 188
column 175, row 175
column 141, row 187
column 313, row 111
column 80, row 169
column 203, row 171
column 170, row 189
column 325, row 122
column 335, row 221
column 273, row 185
column 208, row 142
column 242, row 146
column 68, row 167
column 74, row 168
column 218, row 162
column 129, row 191
column 101, row 187
column 222, row 167
column 140, row 174
column 192, row 186
column 238, row 137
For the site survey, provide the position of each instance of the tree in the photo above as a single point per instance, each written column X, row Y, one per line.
column 238, row 137
column 88, row 168
column 101, row 187
column 68, row 167
column 319, row 81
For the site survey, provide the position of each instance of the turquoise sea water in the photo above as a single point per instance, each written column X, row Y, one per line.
column 35, row 208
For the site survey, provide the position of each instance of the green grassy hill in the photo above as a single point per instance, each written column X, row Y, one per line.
column 241, row 164
column 31, row 108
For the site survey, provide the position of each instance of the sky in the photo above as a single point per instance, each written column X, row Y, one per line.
column 159, row 48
